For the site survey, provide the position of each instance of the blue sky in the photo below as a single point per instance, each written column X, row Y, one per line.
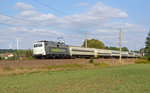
column 30, row 22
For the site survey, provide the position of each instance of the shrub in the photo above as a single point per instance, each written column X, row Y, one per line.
column 12, row 58
column 91, row 60
column 28, row 53
column 148, row 57
column 1, row 58
column 29, row 58
column 142, row 62
column 101, row 64
column 144, row 58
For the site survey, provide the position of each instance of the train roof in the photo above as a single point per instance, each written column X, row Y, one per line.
column 52, row 42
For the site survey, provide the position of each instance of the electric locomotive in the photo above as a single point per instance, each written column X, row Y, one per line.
column 50, row 49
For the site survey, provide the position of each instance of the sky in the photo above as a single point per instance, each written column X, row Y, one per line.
column 30, row 21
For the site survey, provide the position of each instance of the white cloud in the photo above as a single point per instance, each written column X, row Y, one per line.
column 95, row 20
column 3, row 40
column 102, row 11
column 82, row 5
column 46, row 32
column 29, row 13
column 22, row 6
column 96, row 17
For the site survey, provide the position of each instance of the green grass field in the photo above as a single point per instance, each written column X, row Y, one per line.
column 121, row 79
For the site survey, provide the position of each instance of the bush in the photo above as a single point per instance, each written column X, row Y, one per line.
column 1, row 58
column 28, row 53
column 148, row 58
column 12, row 58
column 144, row 58
column 29, row 58
column 101, row 64
column 142, row 62
column 91, row 60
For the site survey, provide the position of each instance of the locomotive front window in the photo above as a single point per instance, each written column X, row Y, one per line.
column 37, row 45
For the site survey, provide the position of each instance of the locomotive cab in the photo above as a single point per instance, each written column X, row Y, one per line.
column 38, row 49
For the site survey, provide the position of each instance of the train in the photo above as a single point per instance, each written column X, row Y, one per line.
column 50, row 49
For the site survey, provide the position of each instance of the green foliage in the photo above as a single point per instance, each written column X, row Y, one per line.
column 91, row 60
column 148, row 57
column 115, row 48
column 1, row 58
column 142, row 62
column 101, row 64
column 144, row 58
column 29, row 58
column 142, row 50
column 28, row 53
column 147, row 48
column 17, row 53
column 124, row 49
column 12, row 58
column 66, row 66
column 94, row 43
column 7, row 51
column 112, row 48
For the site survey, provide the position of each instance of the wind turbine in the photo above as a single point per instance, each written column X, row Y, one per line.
column 17, row 40
column 10, row 45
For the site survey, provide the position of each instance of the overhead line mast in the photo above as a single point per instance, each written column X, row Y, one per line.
column 120, row 44
column 85, row 38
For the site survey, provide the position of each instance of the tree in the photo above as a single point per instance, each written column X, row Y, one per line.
column 125, row 49
column 115, row 48
column 112, row 48
column 147, row 48
column 94, row 43
column 29, row 53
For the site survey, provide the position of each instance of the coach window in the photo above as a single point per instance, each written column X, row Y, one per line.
column 57, row 46
column 40, row 45
column 35, row 45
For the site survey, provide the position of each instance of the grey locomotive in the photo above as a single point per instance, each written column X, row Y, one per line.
column 50, row 49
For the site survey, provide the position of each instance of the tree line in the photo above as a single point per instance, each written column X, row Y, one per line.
column 18, row 54
column 147, row 46
column 95, row 43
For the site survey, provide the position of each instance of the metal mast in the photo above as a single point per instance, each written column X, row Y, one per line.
column 85, row 38
column 120, row 44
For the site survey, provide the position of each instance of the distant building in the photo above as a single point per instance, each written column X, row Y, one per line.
column 6, row 55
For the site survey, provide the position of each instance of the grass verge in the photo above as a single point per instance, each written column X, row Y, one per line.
column 75, row 66
column 121, row 79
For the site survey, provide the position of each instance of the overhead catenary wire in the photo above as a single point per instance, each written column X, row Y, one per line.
column 26, row 23
column 132, row 40
column 59, row 11
column 19, row 19
column 7, row 24
column 50, row 7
